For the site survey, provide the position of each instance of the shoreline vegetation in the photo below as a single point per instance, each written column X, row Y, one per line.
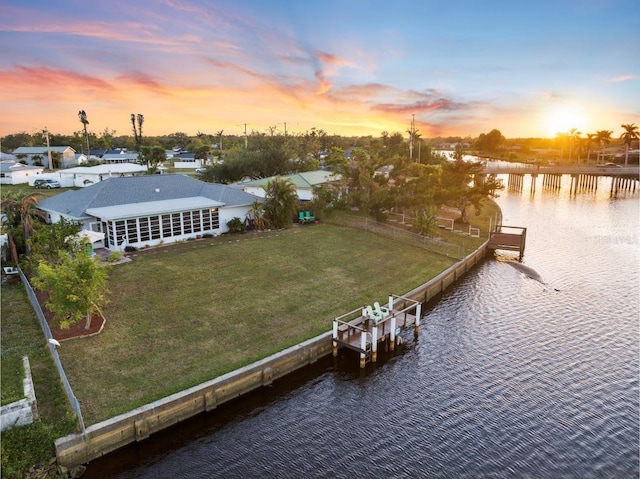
column 183, row 314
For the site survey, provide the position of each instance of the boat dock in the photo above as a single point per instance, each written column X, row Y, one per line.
column 514, row 241
column 364, row 329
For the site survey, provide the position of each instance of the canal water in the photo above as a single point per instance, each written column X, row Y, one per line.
column 509, row 377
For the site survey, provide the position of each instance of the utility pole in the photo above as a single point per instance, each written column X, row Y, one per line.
column 246, row 141
column 46, row 134
column 411, row 133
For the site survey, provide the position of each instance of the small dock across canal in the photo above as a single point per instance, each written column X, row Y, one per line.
column 365, row 329
column 510, row 238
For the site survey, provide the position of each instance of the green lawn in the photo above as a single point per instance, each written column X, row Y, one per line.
column 186, row 313
column 183, row 314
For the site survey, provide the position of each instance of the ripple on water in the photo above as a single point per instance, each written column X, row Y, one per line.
column 508, row 378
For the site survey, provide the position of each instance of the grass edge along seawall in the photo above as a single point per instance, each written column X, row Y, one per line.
column 140, row 423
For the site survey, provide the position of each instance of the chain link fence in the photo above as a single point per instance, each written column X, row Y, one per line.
column 52, row 343
column 436, row 245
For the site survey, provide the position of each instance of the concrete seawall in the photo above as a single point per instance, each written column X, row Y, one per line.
column 24, row 411
column 140, row 423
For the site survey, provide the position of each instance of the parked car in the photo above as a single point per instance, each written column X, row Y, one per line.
column 201, row 170
column 611, row 165
column 46, row 184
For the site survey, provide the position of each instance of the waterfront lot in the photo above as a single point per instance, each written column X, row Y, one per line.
column 183, row 314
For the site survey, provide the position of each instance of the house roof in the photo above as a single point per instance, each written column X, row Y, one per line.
column 153, row 208
column 119, row 156
column 40, row 150
column 126, row 192
column 12, row 166
column 306, row 179
column 115, row 169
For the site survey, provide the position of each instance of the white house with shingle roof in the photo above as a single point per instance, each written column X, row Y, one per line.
column 33, row 154
column 83, row 176
column 151, row 209
column 13, row 173
column 304, row 183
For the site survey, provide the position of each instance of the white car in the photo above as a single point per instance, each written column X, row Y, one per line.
column 46, row 183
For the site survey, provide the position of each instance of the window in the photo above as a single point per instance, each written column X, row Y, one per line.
column 144, row 229
column 155, row 227
column 132, row 230
column 176, row 221
column 120, row 232
column 186, row 222
column 197, row 221
column 166, row 226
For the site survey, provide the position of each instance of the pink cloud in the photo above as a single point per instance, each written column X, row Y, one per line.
column 24, row 78
column 623, row 78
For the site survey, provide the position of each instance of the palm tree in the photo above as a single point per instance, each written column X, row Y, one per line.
column 137, row 133
column 219, row 133
column 573, row 134
column 21, row 210
column 604, row 138
column 140, row 118
column 281, row 202
column 591, row 138
column 83, row 119
column 630, row 134
column 256, row 216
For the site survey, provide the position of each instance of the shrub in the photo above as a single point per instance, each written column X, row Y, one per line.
column 130, row 249
column 114, row 257
column 236, row 225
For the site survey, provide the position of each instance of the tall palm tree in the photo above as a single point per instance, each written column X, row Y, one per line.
column 21, row 211
column 591, row 138
column 630, row 134
column 219, row 133
column 574, row 135
column 604, row 138
column 137, row 133
column 83, row 119
column 140, row 119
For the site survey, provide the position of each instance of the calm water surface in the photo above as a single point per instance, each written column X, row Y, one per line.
column 509, row 378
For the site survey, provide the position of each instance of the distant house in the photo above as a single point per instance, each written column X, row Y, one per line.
column 304, row 183
column 120, row 155
column 185, row 160
column 14, row 173
column 82, row 176
column 40, row 154
column 147, row 210
column 384, row 171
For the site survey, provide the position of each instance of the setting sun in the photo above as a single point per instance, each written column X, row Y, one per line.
column 562, row 118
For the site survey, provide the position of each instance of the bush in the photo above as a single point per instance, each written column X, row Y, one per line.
column 236, row 225
column 130, row 249
column 114, row 257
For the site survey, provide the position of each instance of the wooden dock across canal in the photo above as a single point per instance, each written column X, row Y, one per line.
column 363, row 332
column 503, row 240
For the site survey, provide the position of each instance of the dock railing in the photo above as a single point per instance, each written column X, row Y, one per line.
column 356, row 331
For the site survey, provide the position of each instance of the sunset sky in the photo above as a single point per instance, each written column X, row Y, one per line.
column 348, row 67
